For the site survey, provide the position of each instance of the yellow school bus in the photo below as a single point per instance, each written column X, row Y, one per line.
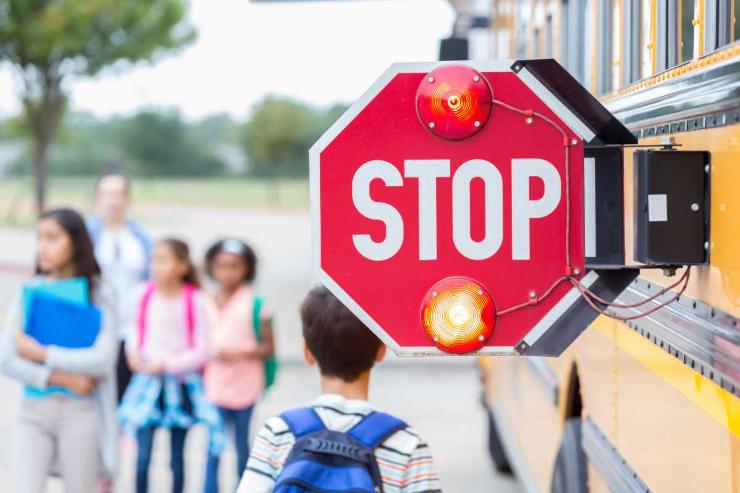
column 652, row 404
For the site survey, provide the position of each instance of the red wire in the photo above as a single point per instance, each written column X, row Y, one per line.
column 639, row 303
column 589, row 296
column 535, row 300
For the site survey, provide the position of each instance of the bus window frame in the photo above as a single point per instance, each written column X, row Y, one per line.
column 548, row 35
column 576, row 40
column 631, row 41
column 647, row 39
column 717, row 35
column 666, row 35
column 604, row 47
column 564, row 35
column 681, row 41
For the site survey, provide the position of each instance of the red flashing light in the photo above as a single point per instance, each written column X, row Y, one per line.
column 458, row 315
column 454, row 101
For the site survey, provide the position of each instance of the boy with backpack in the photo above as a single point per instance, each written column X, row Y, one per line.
column 338, row 443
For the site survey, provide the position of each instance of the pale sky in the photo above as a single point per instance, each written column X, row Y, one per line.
column 319, row 52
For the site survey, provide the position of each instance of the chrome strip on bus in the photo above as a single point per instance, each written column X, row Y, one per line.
column 546, row 377
column 698, row 93
column 516, row 459
column 702, row 337
column 612, row 467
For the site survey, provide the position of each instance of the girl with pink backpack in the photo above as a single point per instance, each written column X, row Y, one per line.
column 167, row 350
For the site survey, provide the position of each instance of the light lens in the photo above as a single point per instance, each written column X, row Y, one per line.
column 454, row 101
column 458, row 315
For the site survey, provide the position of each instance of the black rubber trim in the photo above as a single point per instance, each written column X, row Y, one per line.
column 579, row 315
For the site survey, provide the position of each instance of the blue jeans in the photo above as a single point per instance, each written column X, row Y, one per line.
column 238, row 419
column 145, row 440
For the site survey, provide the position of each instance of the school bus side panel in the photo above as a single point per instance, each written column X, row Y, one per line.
column 527, row 416
column 696, row 451
column 596, row 366
column 695, row 420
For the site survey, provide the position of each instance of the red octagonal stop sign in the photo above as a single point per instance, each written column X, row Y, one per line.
column 453, row 244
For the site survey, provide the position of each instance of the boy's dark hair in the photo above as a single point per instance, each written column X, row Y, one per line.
column 342, row 345
column 237, row 247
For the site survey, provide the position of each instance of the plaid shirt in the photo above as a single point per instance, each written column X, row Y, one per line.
column 140, row 406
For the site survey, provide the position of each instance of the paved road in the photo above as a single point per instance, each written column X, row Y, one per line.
column 440, row 398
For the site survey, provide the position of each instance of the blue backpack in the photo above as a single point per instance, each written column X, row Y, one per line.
column 328, row 461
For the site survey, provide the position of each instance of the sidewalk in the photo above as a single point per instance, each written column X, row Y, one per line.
column 439, row 397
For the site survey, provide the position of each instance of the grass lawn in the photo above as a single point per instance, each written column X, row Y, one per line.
column 16, row 194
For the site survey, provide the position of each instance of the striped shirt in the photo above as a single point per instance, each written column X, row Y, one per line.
column 404, row 459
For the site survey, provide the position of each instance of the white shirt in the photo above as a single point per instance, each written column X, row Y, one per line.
column 122, row 259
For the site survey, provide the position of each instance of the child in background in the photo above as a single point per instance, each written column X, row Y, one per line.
column 234, row 377
column 338, row 443
column 166, row 350
column 68, row 410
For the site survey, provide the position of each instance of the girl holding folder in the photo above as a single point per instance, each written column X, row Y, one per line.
column 67, row 416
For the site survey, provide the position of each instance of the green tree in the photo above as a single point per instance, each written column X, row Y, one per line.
column 280, row 132
column 160, row 143
column 49, row 40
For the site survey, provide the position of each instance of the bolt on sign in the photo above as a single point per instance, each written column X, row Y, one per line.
column 447, row 208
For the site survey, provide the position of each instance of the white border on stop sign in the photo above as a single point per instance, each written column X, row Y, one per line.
column 573, row 122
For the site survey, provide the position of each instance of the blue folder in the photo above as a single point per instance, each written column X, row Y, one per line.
column 74, row 290
column 55, row 321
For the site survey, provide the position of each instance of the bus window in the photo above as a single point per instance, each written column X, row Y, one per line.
column 548, row 36
column 521, row 30
column 666, row 35
column 735, row 23
column 674, row 32
column 616, row 45
column 537, row 43
column 631, row 40
column 603, row 46
column 586, row 49
column 647, row 46
column 565, row 34
column 578, row 54
column 686, row 31
column 717, row 24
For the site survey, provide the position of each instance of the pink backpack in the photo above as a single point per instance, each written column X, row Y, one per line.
column 189, row 312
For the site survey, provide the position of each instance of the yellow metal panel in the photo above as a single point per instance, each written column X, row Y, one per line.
column 702, row 392
column 719, row 283
column 595, row 356
column 677, row 429
column 596, row 483
column 529, row 413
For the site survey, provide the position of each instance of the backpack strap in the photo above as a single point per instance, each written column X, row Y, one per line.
column 256, row 320
column 374, row 428
column 303, row 421
column 143, row 309
column 190, row 312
